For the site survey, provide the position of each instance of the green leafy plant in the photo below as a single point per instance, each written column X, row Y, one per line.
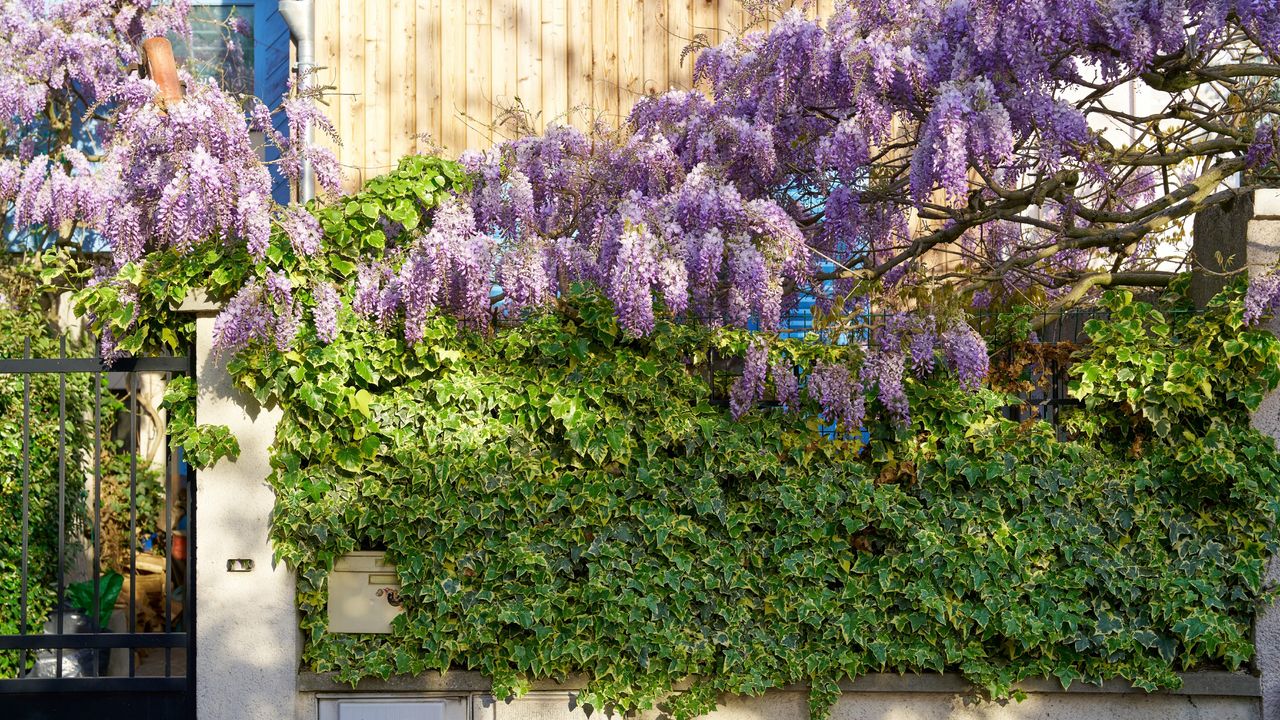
column 203, row 444
column 81, row 596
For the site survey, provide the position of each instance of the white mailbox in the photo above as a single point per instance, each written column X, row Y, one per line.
column 364, row 594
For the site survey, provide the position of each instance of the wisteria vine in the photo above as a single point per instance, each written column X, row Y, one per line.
column 911, row 159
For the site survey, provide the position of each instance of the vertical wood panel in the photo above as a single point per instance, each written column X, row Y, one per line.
column 555, row 58
column 428, row 75
column 408, row 67
column 402, row 28
column 377, row 84
column 680, row 25
column 351, row 83
column 507, row 63
column 731, row 19
column 581, row 72
column 478, row 65
column 706, row 18
column 328, row 52
column 655, row 67
column 604, row 58
column 453, row 81
column 529, row 76
column 631, row 67
column 328, row 32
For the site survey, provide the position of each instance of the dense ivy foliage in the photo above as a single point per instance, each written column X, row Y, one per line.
column 562, row 498
column 16, row 327
column 559, row 495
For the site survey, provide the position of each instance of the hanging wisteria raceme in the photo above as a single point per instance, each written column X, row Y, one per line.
column 966, row 354
column 186, row 171
column 62, row 66
column 842, row 398
column 303, row 230
column 785, row 386
column 328, row 304
column 749, row 387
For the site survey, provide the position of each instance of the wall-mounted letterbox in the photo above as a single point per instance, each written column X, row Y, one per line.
column 364, row 594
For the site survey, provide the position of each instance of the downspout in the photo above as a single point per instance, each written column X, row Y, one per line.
column 300, row 17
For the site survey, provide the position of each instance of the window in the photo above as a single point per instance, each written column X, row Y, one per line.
column 221, row 46
column 245, row 45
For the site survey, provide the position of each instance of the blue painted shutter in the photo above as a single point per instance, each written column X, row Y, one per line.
column 271, row 77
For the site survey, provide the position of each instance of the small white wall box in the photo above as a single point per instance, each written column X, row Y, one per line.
column 392, row 707
column 364, row 595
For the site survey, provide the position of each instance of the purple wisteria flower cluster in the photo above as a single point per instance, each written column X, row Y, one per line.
column 749, row 387
column 842, row 398
column 723, row 205
column 666, row 237
column 262, row 311
column 448, row 268
column 827, row 156
column 902, row 345
column 894, row 148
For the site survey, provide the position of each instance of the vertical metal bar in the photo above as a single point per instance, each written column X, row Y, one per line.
column 62, row 497
column 170, row 478
column 97, row 506
column 189, row 591
column 132, row 387
column 26, row 494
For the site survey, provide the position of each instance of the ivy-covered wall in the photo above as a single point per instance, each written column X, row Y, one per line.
column 561, row 497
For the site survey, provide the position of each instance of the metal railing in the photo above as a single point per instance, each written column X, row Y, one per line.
column 73, row 653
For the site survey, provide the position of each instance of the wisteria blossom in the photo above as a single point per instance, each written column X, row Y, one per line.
column 328, row 304
column 785, row 386
column 449, row 268
column 841, row 397
column 966, row 354
column 90, row 155
column 886, row 148
column 749, row 387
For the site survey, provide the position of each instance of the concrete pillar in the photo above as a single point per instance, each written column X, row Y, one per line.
column 247, row 640
column 1262, row 243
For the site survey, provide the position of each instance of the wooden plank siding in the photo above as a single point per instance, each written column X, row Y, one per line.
column 434, row 75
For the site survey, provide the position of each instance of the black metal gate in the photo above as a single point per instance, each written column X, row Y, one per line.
column 77, row 652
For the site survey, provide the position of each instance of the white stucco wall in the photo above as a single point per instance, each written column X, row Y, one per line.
column 247, row 637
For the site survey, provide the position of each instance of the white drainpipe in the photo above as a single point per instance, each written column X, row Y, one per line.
column 300, row 16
